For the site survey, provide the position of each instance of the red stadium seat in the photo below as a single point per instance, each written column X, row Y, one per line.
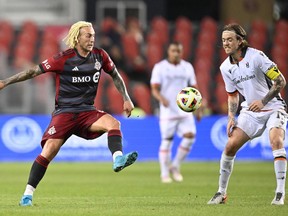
column 130, row 46
column 204, row 50
column 185, row 39
column 153, row 37
column 115, row 101
column 160, row 25
column 23, row 55
column 47, row 50
column 28, row 38
column 279, row 51
column 259, row 26
column 29, row 26
column 281, row 38
column 142, row 97
column 221, row 95
column 6, row 35
column 107, row 24
column 281, row 26
column 183, row 24
column 208, row 24
column 154, row 53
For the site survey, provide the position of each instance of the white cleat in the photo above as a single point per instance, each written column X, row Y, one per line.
column 176, row 175
column 166, row 180
column 278, row 199
column 218, row 198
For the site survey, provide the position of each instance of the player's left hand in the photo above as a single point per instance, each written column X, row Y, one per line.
column 256, row 106
column 128, row 107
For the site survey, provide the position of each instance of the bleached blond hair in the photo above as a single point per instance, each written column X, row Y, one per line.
column 72, row 37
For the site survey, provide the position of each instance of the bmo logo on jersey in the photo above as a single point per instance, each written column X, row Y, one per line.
column 86, row 79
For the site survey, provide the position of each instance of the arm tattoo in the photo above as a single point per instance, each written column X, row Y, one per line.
column 24, row 75
column 233, row 107
column 120, row 85
column 233, row 102
column 279, row 83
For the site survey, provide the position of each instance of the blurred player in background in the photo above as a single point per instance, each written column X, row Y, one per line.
column 251, row 73
column 78, row 71
column 169, row 76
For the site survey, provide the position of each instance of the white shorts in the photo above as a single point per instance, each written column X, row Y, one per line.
column 180, row 126
column 254, row 123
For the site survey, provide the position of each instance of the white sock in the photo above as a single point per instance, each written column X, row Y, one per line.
column 165, row 157
column 182, row 151
column 117, row 153
column 280, row 167
column 29, row 190
column 226, row 168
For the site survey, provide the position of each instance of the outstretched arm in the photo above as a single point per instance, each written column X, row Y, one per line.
column 22, row 76
column 120, row 85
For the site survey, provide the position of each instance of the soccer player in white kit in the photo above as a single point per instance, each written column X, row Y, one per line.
column 251, row 73
column 168, row 77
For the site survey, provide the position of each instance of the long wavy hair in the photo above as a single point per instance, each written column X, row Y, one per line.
column 240, row 33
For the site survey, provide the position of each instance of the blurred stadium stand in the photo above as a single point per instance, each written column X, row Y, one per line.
column 133, row 44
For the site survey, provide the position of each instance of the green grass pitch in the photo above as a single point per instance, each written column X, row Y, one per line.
column 94, row 189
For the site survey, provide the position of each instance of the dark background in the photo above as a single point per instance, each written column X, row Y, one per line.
column 194, row 10
column 170, row 9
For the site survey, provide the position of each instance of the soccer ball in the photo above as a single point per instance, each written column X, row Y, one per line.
column 189, row 99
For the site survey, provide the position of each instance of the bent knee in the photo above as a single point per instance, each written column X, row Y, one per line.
column 114, row 124
column 189, row 135
column 232, row 147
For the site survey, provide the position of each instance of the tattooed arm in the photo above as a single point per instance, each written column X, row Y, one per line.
column 233, row 103
column 120, row 85
column 278, row 85
column 22, row 76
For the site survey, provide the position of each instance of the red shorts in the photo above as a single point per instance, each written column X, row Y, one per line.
column 63, row 125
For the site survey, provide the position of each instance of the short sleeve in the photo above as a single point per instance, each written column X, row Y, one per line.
column 229, row 85
column 52, row 64
column 108, row 65
column 263, row 62
column 155, row 76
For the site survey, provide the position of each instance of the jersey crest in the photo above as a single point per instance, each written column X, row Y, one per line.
column 97, row 65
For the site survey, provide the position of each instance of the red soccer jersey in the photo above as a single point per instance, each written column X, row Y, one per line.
column 77, row 78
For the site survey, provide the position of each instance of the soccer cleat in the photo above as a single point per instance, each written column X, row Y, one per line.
column 123, row 161
column 26, row 200
column 218, row 198
column 176, row 175
column 278, row 199
column 166, row 180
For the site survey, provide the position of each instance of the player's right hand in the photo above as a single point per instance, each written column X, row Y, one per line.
column 165, row 102
column 230, row 126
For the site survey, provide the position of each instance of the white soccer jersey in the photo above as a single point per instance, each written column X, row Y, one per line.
column 172, row 78
column 249, row 79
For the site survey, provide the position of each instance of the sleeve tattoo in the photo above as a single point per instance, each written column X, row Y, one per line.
column 279, row 83
column 24, row 75
column 120, row 85
column 233, row 102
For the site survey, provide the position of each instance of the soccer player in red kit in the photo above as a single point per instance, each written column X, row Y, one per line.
column 78, row 71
